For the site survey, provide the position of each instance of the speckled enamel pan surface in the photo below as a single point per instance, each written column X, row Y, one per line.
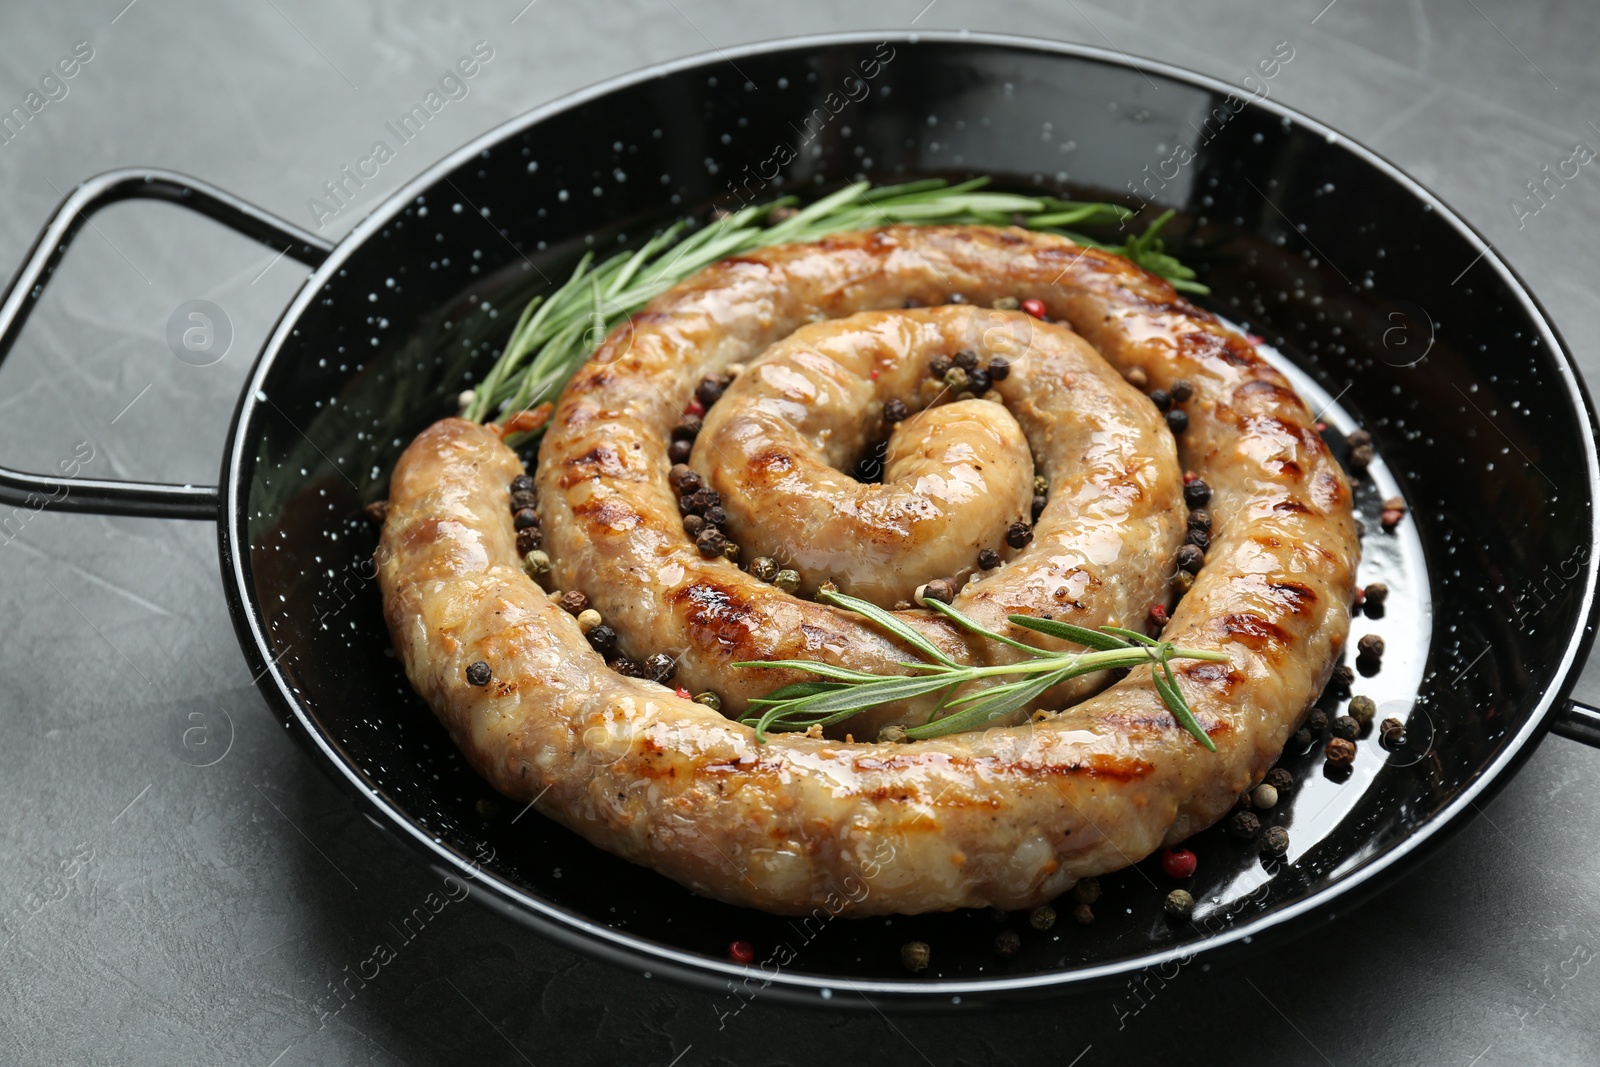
column 1390, row 312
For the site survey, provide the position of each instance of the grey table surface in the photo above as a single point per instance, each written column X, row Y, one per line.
column 155, row 911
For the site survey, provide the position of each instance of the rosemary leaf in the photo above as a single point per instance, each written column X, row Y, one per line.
column 1078, row 635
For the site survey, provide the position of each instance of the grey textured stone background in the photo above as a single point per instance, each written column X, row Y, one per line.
column 156, row 912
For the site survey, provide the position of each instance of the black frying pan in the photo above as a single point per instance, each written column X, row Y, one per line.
column 1393, row 313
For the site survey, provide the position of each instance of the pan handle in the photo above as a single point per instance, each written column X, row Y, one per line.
column 1577, row 721
column 113, row 497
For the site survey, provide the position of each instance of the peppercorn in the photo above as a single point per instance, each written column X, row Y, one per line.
column 1200, row 519
column 525, row 518
column 788, row 581
column 940, row 589
column 1358, row 439
column 1039, row 502
column 1317, row 721
column 1370, row 646
column 1275, row 842
column 1302, row 738
column 628, row 668
column 522, row 483
column 524, row 498
column 536, row 564
column 939, row 366
column 602, row 639
column 687, row 429
column 966, row 359
column 1244, row 825
column 1197, row 493
column 1390, row 518
column 955, row 298
column 827, row 586
column 1183, row 581
column 1361, row 458
column 478, row 673
column 702, row 499
column 377, row 511
column 709, row 699
column 683, row 479
column 1034, row 306
column 955, row 379
column 1191, row 558
column 529, row 539
column 988, row 559
column 764, row 567
column 1264, row 797
column 1136, row 377
column 680, row 451
column 911, row 302
column 710, row 389
column 1340, row 752
column 1177, row 420
column 716, row 515
column 1042, row 918
column 914, row 955
column 693, row 524
column 1344, row 675
column 1087, row 891
column 710, row 541
column 895, row 411
column 1018, row 534
column 892, row 734
column 1281, row 779
column 1346, row 727
column 574, row 602
column 1179, row 904
column 1158, row 614
column 1362, row 710
column 999, row 368
column 1083, row 914
column 1182, row 390
column 660, row 667
column 742, row 952
column 730, row 552
column 1392, row 733
column 1178, row 863
column 588, row 619
column 978, row 380
column 1041, row 485
column 1007, row 944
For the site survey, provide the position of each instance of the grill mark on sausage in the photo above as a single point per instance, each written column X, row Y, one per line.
column 1252, row 630
column 1295, row 596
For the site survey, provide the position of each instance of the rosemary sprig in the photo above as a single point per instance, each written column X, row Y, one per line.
column 844, row 692
column 559, row 330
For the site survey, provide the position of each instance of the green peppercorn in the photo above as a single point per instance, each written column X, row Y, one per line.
column 787, row 580
column 915, row 956
column 764, row 567
column 1087, row 891
column 1179, row 904
column 955, row 379
column 1363, row 710
column 1005, row 303
column 709, row 699
column 536, row 564
column 1041, row 485
column 1042, row 918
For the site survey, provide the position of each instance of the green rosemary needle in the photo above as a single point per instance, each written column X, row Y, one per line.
column 843, row 692
column 557, row 331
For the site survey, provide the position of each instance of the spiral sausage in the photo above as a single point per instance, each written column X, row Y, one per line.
column 1008, row 817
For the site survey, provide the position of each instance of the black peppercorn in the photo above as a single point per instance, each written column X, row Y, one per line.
column 1358, row 439
column 1007, row 944
column 1018, row 534
column 1275, row 842
column 988, row 559
column 710, row 389
column 1191, row 559
column 1200, row 519
column 716, row 515
column 523, row 498
column 1317, row 721
column 1281, row 779
column 999, row 368
column 1198, row 537
column 1038, row 506
column 679, row 451
column 660, row 667
column 573, row 601
column 1161, row 399
column 1370, row 646
column 1361, row 458
column 525, row 518
column 693, row 524
column 1376, row 594
column 626, row 667
column 704, row 498
column 1182, row 390
column 688, row 428
column 528, row 540
column 522, row 483
column 1346, row 727
column 479, row 674
column 895, row 412
column 941, row 589
column 1177, row 420
column 966, row 359
column 710, row 541
column 911, row 302
column 1302, row 738
column 939, row 367
column 1087, row 891
column 1392, row 734
column 978, row 381
column 683, row 480
column 1196, row 494
column 1244, row 824
column 602, row 639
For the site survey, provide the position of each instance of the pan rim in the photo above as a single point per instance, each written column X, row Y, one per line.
column 636, row 953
